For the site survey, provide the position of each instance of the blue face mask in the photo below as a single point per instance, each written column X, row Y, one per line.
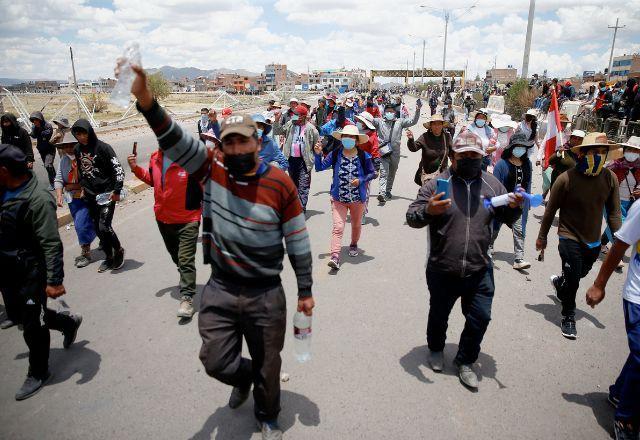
column 260, row 132
column 480, row 123
column 348, row 143
column 603, row 89
column 204, row 119
column 295, row 117
column 389, row 116
column 519, row 151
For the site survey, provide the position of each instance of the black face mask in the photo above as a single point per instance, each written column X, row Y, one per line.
column 469, row 168
column 239, row 164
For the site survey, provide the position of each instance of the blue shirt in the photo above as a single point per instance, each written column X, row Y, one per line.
column 12, row 193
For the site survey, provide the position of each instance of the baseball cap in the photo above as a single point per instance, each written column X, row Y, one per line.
column 227, row 111
column 241, row 124
column 301, row 110
column 467, row 141
column 12, row 156
column 292, row 100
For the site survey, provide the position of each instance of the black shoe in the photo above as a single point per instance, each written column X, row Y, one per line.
column 31, row 386
column 555, row 282
column 239, row 395
column 381, row 199
column 82, row 261
column 106, row 265
column 625, row 431
column 118, row 259
column 70, row 336
column 7, row 323
column 568, row 327
column 270, row 430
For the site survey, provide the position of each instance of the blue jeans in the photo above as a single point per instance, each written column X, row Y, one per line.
column 625, row 205
column 627, row 386
column 82, row 221
column 476, row 293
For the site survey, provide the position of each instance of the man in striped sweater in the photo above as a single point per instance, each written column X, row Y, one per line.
column 249, row 209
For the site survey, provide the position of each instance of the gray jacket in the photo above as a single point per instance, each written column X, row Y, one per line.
column 311, row 136
column 384, row 130
column 460, row 237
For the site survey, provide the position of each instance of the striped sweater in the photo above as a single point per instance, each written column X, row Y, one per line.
column 244, row 221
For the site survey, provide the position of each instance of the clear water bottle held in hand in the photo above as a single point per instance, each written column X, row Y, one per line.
column 103, row 198
column 121, row 94
column 302, row 337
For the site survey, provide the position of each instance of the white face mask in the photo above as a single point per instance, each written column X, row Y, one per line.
column 71, row 156
column 631, row 157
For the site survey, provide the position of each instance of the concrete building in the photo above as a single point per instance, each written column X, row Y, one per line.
column 503, row 76
column 275, row 75
column 625, row 66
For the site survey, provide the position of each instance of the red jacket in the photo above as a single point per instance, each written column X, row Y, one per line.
column 179, row 200
column 372, row 144
column 374, row 111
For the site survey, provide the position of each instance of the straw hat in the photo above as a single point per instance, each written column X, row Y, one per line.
column 597, row 139
column 367, row 119
column 351, row 130
column 435, row 118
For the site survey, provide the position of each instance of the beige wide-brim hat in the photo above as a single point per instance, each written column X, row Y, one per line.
column 351, row 130
column 367, row 119
column 435, row 118
column 68, row 139
column 598, row 139
column 633, row 142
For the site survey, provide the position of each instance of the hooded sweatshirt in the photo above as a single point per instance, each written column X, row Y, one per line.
column 42, row 135
column 17, row 136
column 98, row 165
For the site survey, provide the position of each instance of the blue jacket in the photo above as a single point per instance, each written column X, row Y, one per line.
column 366, row 174
column 331, row 126
column 501, row 172
column 270, row 151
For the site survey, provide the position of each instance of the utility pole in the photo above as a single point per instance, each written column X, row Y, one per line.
column 406, row 78
column 413, row 74
column 495, row 62
column 444, row 52
column 424, row 43
column 75, row 81
column 613, row 44
column 527, row 43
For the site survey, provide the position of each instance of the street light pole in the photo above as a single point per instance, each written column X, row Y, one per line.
column 444, row 52
column 527, row 43
column 613, row 44
column 424, row 43
column 413, row 74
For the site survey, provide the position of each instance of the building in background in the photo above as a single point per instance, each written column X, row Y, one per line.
column 275, row 75
column 624, row 67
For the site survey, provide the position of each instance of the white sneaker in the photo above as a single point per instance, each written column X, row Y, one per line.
column 521, row 264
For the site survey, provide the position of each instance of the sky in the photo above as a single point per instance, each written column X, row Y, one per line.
column 569, row 36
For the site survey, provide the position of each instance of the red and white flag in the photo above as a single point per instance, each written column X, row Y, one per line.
column 553, row 137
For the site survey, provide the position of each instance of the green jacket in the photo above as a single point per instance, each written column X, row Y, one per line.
column 29, row 228
column 311, row 137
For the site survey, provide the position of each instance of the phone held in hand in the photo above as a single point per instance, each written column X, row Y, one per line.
column 442, row 186
column 135, row 149
column 419, row 102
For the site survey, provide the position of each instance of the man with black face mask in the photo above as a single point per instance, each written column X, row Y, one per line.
column 459, row 264
column 250, row 209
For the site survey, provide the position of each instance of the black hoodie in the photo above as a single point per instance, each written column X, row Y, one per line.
column 99, row 169
column 17, row 136
column 42, row 135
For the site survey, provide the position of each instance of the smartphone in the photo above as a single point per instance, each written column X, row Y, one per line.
column 442, row 186
column 135, row 149
column 419, row 102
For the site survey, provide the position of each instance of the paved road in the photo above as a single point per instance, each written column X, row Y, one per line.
column 135, row 373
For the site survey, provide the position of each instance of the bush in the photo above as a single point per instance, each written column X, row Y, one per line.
column 97, row 102
column 159, row 86
column 519, row 99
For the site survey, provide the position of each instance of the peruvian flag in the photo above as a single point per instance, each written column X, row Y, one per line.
column 553, row 137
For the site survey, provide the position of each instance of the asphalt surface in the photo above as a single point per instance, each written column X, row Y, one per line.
column 134, row 371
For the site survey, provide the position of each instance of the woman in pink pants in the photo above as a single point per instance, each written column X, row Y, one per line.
column 352, row 170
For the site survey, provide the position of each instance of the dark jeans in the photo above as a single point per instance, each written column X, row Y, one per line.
column 229, row 312
column 12, row 305
column 433, row 110
column 48, row 159
column 577, row 260
column 476, row 295
column 181, row 241
column 37, row 319
column 627, row 386
column 102, row 216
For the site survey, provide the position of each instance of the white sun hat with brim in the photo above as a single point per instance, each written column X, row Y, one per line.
column 633, row 142
column 598, row 139
column 578, row 133
column 532, row 112
column 351, row 130
column 500, row 121
column 367, row 119
column 436, row 118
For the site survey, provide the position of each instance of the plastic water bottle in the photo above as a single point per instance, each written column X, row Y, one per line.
column 121, row 94
column 68, row 196
column 302, row 337
column 105, row 198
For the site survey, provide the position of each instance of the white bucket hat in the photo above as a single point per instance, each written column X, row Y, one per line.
column 367, row 119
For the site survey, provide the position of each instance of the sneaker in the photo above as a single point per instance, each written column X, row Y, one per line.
column 186, row 307
column 388, row 196
column 612, row 398
column 381, row 199
column 82, row 261
column 521, row 264
column 568, row 327
column 467, row 376
column 70, row 336
column 555, row 282
column 625, row 431
column 436, row 360
column 238, row 396
column 7, row 323
column 270, row 430
column 31, row 386
column 334, row 263
column 353, row 250
column 106, row 265
column 620, row 265
column 118, row 259
column 604, row 249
